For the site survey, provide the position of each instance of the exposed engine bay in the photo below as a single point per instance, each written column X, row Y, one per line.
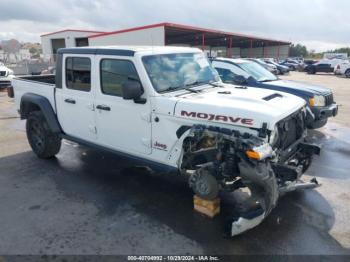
column 220, row 159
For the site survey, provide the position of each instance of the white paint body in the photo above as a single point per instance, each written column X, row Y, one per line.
column 131, row 128
column 6, row 74
column 342, row 68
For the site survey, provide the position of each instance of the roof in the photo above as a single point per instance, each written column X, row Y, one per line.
column 234, row 60
column 125, row 50
column 189, row 28
column 73, row 30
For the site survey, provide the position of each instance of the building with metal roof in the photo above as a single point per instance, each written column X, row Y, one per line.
column 213, row 42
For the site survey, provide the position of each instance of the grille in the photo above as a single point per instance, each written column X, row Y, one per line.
column 290, row 130
column 329, row 99
column 2, row 73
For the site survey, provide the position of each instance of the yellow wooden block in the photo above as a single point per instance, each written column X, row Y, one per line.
column 207, row 207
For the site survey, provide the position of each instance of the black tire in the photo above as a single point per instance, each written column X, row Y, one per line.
column 204, row 184
column 347, row 73
column 44, row 143
column 318, row 124
column 312, row 71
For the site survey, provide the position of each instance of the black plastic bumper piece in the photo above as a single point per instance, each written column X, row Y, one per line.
column 325, row 112
column 310, row 149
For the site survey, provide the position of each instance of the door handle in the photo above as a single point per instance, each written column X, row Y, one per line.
column 70, row 101
column 103, row 107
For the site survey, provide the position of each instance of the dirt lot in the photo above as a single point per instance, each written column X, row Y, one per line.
column 91, row 202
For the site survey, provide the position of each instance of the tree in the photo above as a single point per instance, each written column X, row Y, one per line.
column 33, row 50
column 298, row 50
column 343, row 50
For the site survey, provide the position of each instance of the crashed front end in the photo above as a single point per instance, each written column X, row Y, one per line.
column 269, row 165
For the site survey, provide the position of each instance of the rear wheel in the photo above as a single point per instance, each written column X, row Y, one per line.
column 44, row 143
column 312, row 71
column 347, row 73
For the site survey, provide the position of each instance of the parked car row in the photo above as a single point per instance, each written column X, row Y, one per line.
column 243, row 72
column 335, row 65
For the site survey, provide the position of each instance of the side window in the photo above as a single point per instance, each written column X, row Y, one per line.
column 78, row 73
column 225, row 74
column 114, row 73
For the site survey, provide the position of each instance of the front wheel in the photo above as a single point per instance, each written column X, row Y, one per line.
column 44, row 143
column 204, row 184
column 318, row 124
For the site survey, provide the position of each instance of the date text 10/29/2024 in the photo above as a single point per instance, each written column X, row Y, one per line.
column 173, row 258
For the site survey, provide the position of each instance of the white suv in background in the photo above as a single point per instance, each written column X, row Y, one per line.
column 343, row 68
column 6, row 76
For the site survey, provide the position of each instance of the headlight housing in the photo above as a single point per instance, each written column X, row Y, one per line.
column 317, row 101
column 260, row 152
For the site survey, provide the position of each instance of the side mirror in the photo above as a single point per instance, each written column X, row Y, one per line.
column 240, row 80
column 132, row 89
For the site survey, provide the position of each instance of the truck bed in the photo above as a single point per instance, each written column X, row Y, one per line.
column 43, row 85
column 47, row 79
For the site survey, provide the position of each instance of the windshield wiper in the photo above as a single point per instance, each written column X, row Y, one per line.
column 195, row 83
column 191, row 90
column 187, row 87
column 176, row 88
column 198, row 83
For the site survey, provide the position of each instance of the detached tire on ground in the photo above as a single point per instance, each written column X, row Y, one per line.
column 204, row 184
column 44, row 143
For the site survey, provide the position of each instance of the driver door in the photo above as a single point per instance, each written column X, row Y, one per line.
column 123, row 125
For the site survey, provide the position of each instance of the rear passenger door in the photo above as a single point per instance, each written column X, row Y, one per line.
column 75, row 100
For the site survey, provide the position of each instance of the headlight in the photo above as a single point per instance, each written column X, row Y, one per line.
column 317, row 101
column 260, row 152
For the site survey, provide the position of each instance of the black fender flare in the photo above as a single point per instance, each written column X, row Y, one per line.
column 30, row 99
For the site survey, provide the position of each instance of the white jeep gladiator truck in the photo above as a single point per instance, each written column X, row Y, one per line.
column 167, row 107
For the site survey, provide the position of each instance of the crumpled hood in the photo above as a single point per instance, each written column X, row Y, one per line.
column 250, row 107
column 301, row 86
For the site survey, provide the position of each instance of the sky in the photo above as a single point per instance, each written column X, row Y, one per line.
column 319, row 24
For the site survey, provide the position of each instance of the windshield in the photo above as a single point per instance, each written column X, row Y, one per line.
column 258, row 72
column 171, row 72
column 262, row 63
